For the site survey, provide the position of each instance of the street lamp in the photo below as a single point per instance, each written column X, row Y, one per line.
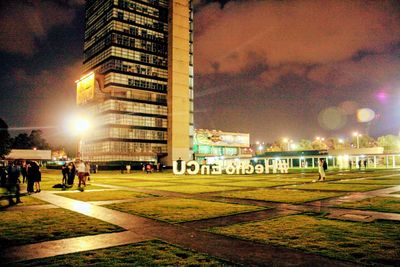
column 81, row 125
column 288, row 142
column 357, row 135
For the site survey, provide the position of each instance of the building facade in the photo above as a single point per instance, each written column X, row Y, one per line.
column 137, row 85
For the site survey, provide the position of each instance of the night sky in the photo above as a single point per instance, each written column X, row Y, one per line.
column 273, row 69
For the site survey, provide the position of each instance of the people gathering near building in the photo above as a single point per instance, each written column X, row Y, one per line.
column 10, row 179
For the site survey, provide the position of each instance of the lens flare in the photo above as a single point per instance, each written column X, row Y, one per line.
column 332, row 118
column 365, row 115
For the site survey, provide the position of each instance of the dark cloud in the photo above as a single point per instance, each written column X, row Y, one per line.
column 24, row 23
column 301, row 32
column 286, row 62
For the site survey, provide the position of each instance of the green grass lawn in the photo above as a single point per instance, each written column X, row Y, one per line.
column 375, row 243
column 26, row 201
column 372, row 181
column 25, row 227
column 195, row 189
column 256, row 183
column 53, row 177
column 198, row 181
column 105, row 195
column 133, row 183
column 180, row 210
column 280, row 195
column 149, row 253
column 336, row 187
column 384, row 204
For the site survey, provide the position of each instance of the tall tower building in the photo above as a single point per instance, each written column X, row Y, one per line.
column 137, row 85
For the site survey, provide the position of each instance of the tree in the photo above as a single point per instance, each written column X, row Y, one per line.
column 364, row 141
column 389, row 142
column 37, row 141
column 5, row 140
column 21, row 141
column 34, row 140
column 305, row 144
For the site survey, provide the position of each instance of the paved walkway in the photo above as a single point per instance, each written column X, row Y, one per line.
column 190, row 234
column 244, row 252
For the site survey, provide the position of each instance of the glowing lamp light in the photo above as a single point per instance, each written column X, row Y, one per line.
column 81, row 125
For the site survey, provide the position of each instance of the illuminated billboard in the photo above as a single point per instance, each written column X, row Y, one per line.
column 85, row 88
column 218, row 138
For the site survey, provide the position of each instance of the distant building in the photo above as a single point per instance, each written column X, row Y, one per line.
column 29, row 154
column 138, row 81
column 211, row 145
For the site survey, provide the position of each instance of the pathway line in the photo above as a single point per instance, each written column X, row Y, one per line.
column 69, row 245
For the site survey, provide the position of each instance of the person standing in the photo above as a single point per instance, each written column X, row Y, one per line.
column 87, row 172
column 325, row 165
column 71, row 174
column 179, row 164
column 321, row 170
column 64, row 172
column 24, row 172
column 81, row 173
column 37, row 176
column 14, row 171
column 3, row 176
column 30, row 177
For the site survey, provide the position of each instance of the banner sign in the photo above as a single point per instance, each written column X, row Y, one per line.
column 215, row 138
column 85, row 88
column 192, row 167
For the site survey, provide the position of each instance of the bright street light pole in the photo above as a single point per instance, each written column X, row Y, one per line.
column 357, row 135
column 81, row 125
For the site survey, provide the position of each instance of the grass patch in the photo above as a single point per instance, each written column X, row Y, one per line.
column 134, row 183
column 372, row 181
column 53, row 177
column 181, row 210
column 105, row 195
column 198, row 181
column 384, row 204
column 256, row 183
column 336, row 187
column 149, row 253
column 367, row 243
column 194, row 189
column 25, row 227
column 280, row 195
column 26, row 201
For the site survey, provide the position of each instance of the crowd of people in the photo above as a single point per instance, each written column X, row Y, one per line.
column 10, row 178
column 72, row 169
